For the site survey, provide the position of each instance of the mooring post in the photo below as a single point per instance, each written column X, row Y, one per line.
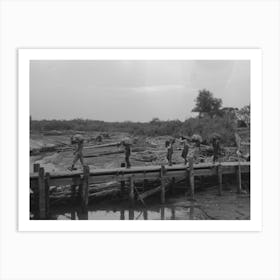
column 238, row 177
column 162, row 171
column 42, row 194
column 131, row 193
column 122, row 183
column 36, row 167
column 191, row 177
column 47, row 193
column 145, row 214
column 173, row 217
column 162, row 216
column 122, row 214
column 131, row 214
column 220, row 178
column 85, row 188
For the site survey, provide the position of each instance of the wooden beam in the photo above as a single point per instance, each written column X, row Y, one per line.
column 191, row 178
column 162, row 171
column 162, row 216
column 47, row 193
column 85, row 189
column 36, row 167
column 149, row 192
column 131, row 193
column 238, row 179
column 145, row 214
column 42, row 194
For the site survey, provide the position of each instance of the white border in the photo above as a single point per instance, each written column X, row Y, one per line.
column 24, row 57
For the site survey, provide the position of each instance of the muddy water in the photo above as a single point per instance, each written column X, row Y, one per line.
column 154, row 213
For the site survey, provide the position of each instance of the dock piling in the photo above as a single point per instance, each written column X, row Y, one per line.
column 47, row 192
column 238, row 177
column 220, row 178
column 162, row 171
column 36, row 167
column 131, row 194
column 85, row 188
column 42, row 194
column 191, row 178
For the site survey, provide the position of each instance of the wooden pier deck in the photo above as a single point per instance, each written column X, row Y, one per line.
column 42, row 181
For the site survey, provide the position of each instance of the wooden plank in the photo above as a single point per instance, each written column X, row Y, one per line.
column 149, row 192
column 42, row 194
column 191, row 177
column 140, row 169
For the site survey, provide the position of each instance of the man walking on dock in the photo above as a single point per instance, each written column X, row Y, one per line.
column 215, row 139
column 185, row 150
column 127, row 151
column 79, row 141
column 169, row 150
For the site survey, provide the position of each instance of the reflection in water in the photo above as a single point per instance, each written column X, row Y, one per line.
column 162, row 213
column 131, row 214
column 122, row 214
column 189, row 212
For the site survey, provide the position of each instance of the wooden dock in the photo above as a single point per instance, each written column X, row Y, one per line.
column 42, row 181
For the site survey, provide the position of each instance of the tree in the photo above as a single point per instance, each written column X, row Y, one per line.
column 207, row 103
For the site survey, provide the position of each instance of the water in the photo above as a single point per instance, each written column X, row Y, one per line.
column 154, row 213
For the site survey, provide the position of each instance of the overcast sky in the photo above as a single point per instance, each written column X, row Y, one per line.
column 132, row 90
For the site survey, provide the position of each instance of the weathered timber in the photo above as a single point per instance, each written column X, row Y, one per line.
column 149, row 192
column 85, row 188
column 238, row 177
column 162, row 171
column 42, row 194
column 104, row 193
column 36, row 167
column 47, row 193
column 220, row 179
column 131, row 193
column 191, row 178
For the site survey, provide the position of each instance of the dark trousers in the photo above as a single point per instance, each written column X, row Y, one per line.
column 127, row 161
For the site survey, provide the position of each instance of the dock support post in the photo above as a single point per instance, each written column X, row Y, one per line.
column 36, row 167
column 162, row 216
column 220, row 178
column 122, row 183
column 42, row 194
column 238, row 177
column 162, row 171
column 131, row 194
column 122, row 214
column 47, row 188
column 145, row 214
column 85, row 189
column 191, row 178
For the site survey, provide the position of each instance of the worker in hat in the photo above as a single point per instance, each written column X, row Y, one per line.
column 185, row 149
column 169, row 150
column 126, row 143
column 78, row 140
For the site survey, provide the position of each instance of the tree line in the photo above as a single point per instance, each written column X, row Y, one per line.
column 211, row 118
